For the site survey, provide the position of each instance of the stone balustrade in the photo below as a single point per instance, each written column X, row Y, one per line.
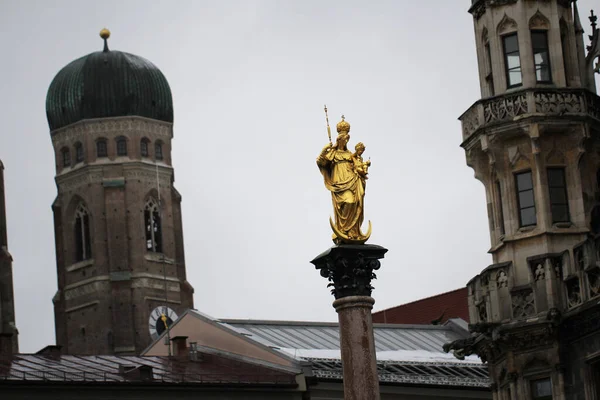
column 559, row 103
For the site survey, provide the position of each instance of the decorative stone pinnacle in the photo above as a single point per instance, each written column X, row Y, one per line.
column 593, row 19
column 350, row 268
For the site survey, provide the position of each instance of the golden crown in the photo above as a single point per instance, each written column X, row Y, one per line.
column 343, row 125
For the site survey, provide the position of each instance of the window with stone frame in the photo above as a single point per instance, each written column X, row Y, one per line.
column 152, row 226
column 525, row 199
column 512, row 60
column 541, row 389
column 101, row 148
column 83, row 242
column 121, row 146
column 158, row 150
column 559, row 201
column 541, row 56
column 144, row 147
column 66, row 157
column 78, row 152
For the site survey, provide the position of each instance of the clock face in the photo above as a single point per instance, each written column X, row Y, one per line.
column 156, row 324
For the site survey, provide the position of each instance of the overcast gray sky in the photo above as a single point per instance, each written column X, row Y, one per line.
column 249, row 80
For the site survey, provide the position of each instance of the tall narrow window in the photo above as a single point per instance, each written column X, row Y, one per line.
column 66, row 157
column 564, row 42
column 512, row 60
column 101, row 149
column 541, row 56
column 78, row 152
column 158, row 151
column 541, row 389
column 153, row 226
column 83, row 244
column 490, row 76
column 500, row 208
column 121, row 146
column 525, row 199
column 559, row 203
column 144, row 147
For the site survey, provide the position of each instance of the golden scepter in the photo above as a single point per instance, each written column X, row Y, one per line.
column 328, row 128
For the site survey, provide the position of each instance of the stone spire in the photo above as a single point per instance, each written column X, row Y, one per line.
column 8, row 332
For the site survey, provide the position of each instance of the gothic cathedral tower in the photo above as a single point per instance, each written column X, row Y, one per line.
column 534, row 142
column 9, row 343
column 117, row 216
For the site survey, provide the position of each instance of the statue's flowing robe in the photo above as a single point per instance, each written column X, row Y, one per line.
column 346, row 187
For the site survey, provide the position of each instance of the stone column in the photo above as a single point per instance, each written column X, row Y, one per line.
column 349, row 269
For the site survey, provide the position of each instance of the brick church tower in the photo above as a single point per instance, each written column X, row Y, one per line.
column 9, row 343
column 534, row 142
column 117, row 216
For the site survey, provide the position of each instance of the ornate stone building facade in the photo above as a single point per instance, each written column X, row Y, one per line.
column 117, row 216
column 9, row 342
column 534, row 142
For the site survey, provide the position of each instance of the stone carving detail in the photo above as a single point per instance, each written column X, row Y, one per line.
column 470, row 121
column 573, row 292
column 149, row 283
column 506, row 24
column 579, row 256
column 112, row 127
column 539, row 21
column 502, row 279
column 557, row 267
column 523, row 303
column 539, row 273
column 558, row 102
column 72, row 182
column 592, row 104
column 93, row 287
column 504, row 108
column 350, row 268
column 482, row 312
column 594, row 282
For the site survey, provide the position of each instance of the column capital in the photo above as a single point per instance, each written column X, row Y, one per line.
column 349, row 268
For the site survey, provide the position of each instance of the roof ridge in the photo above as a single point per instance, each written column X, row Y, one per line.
column 423, row 299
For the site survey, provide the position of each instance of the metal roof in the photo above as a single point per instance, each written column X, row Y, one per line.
column 409, row 354
column 324, row 335
column 212, row 370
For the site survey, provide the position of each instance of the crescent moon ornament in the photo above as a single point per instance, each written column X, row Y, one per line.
column 343, row 238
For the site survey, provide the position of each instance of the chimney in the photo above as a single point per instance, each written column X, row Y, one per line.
column 6, row 345
column 51, row 351
column 179, row 346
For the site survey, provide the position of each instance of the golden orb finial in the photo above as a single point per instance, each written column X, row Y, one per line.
column 104, row 33
column 343, row 125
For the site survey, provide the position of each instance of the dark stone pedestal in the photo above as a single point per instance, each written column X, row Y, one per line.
column 349, row 269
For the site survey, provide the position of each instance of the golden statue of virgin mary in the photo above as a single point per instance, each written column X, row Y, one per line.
column 345, row 175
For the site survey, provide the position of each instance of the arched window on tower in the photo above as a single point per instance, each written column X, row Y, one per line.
column 144, row 147
column 66, row 157
column 83, row 243
column 153, row 226
column 78, row 152
column 158, row 150
column 101, row 148
column 121, row 146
